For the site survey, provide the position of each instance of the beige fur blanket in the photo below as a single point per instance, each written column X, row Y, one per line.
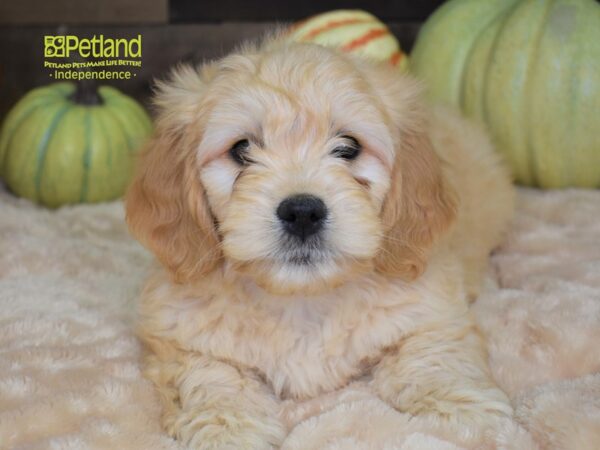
column 69, row 362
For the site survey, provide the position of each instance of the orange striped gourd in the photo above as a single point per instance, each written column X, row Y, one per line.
column 351, row 31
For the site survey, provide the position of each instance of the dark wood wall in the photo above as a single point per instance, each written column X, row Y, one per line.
column 268, row 10
column 172, row 31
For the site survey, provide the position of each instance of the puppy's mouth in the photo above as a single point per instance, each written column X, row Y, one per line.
column 306, row 252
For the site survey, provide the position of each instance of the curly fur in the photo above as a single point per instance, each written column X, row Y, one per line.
column 233, row 328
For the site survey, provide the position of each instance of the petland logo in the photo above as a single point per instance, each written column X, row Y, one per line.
column 70, row 57
column 96, row 47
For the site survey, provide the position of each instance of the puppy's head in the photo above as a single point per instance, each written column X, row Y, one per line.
column 293, row 164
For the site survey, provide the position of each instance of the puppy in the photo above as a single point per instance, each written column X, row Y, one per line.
column 316, row 222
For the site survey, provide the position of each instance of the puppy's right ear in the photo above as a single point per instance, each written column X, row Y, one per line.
column 420, row 205
column 166, row 204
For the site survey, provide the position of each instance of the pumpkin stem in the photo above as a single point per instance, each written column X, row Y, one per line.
column 86, row 93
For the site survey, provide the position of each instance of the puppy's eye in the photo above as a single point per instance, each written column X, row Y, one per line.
column 348, row 150
column 239, row 152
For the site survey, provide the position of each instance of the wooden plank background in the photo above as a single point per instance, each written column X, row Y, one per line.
column 282, row 10
column 30, row 12
column 172, row 31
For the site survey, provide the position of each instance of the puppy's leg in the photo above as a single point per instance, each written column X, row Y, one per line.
column 442, row 371
column 210, row 405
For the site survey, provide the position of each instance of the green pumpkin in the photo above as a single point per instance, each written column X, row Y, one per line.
column 530, row 70
column 68, row 143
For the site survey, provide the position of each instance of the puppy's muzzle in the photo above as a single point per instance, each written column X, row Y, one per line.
column 302, row 215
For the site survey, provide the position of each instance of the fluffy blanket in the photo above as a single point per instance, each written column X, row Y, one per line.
column 69, row 362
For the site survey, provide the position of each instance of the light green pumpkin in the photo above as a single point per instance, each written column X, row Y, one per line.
column 530, row 70
column 68, row 143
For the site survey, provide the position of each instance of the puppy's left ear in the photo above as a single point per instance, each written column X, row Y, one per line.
column 166, row 205
column 420, row 205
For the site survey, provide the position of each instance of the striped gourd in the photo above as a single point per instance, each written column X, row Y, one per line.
column 528, row 69
column 352, row 31
column 67, row 143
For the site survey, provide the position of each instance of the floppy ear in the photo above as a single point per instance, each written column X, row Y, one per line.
column 166, row 205
column 420, row 205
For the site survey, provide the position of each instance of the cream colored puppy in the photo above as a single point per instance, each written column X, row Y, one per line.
column 316, row 223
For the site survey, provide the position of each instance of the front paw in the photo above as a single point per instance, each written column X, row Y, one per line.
column 227, row 430
column 478, row 404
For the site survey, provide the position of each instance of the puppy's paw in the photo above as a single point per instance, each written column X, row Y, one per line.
column 476, row 404
column 228, row 430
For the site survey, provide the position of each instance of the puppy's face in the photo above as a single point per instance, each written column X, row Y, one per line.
column 288, row 163
column 295, row 161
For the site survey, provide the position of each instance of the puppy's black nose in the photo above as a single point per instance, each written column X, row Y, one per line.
column 302, row 215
